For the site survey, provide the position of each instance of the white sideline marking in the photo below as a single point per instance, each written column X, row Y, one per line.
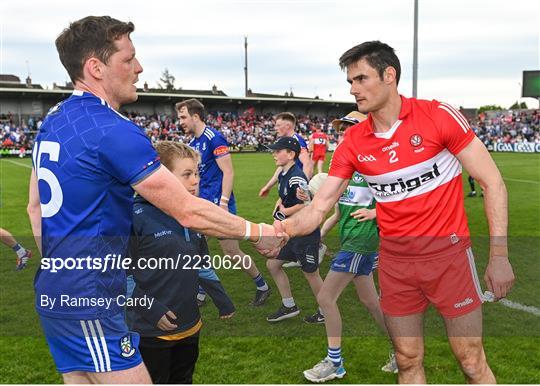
column 518, row 306
column 525, row 181
column 18, row 163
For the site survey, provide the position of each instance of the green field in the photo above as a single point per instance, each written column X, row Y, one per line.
column 247, row 349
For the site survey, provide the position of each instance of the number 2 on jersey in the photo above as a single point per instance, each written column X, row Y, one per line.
column 393, row 156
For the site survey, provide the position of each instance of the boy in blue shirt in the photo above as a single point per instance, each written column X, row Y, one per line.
column 304, row 249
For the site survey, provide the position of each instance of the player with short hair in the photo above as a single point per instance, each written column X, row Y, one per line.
column 217, row 179
column 318, row 146
column 303, row 249
column 285, row 127
column 23, row 254
column 88, row 160
column 410, row 153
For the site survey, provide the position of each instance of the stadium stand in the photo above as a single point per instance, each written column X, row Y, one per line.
column 247, row 123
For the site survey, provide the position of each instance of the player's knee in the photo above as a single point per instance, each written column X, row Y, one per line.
column 473, row 363
column 410, row 358
column 371, row 304
column 272, row 266
column 324, row 299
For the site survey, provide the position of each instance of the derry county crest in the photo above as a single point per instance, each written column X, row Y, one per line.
column 126, row 348
column 416, row 140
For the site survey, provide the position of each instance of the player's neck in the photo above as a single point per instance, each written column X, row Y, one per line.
column 385, row 117
column 97, row 91
column 199, row 129
column 288, row 166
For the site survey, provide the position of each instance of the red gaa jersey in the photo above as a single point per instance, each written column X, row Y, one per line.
column 319, row 142
column 414, row 175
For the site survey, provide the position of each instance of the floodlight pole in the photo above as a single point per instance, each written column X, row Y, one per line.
column 245, row 67
column 415, row 52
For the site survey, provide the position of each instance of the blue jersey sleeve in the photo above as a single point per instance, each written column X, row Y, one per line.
column 301, row 141
column 220, row 147
column 127, row 154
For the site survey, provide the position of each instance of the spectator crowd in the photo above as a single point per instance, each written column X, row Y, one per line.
column 249, row 131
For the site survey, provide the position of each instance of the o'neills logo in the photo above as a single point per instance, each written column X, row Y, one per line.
column 464, row 303
column 401, row 185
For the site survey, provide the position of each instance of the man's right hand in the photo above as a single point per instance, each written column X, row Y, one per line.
column 264, row 192
column 270, row 243
column 164, row 324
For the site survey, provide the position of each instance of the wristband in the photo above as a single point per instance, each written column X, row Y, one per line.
column 247, row 235
column 223, row 198
column 260, row 234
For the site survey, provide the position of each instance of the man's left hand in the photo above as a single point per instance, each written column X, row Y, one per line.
column 499, row 276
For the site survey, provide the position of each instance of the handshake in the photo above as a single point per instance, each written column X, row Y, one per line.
column 271, row 239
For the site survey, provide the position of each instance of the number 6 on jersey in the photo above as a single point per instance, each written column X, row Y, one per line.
column 52, row 207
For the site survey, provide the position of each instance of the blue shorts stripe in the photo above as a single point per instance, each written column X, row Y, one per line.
column 352, row 262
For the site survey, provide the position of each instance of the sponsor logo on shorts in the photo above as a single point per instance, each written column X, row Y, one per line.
column 464, row 303
column 126, row 348
column 340, row 265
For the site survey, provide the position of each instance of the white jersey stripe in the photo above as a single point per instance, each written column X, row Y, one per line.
column 96, row 344
column 474, row 274
column 89, row 344
column 458, row 114
column 104, row 345
column 454, row 116
column 416, row 179
column 209, row 133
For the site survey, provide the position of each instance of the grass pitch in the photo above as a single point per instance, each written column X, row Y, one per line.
column 247, row 349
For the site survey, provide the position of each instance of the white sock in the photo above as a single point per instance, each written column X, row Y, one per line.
column 288, row 302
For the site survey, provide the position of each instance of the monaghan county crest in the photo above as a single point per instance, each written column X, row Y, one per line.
column 126, row 348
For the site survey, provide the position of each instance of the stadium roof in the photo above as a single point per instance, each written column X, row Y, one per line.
column 168, row 97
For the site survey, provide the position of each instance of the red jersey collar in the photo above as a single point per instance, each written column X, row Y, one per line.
column 405, row 110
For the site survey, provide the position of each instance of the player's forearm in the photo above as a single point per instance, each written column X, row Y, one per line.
column 211, row 220
column 227, row 184
column 329, row 224
column 34, row 213
column 34, row 210
column 496, row 208
column 292, row 210
column 303, row 222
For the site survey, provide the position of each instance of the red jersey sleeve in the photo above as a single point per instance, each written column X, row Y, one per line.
column 342, row 165
column 453, row 127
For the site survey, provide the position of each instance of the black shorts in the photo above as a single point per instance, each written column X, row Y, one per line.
column 304, row 251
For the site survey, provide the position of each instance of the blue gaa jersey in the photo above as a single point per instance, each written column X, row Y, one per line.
column 303, row 146
column 86, row 158
column 211, row 145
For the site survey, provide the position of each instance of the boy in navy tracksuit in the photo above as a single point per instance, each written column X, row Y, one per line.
column 304, row 249
column 169, row 328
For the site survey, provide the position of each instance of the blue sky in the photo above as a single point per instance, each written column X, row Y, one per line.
column 470, row 52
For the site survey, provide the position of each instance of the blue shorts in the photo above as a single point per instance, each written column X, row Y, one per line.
column 306, row 253
column 95, row 346
column 357, row 263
